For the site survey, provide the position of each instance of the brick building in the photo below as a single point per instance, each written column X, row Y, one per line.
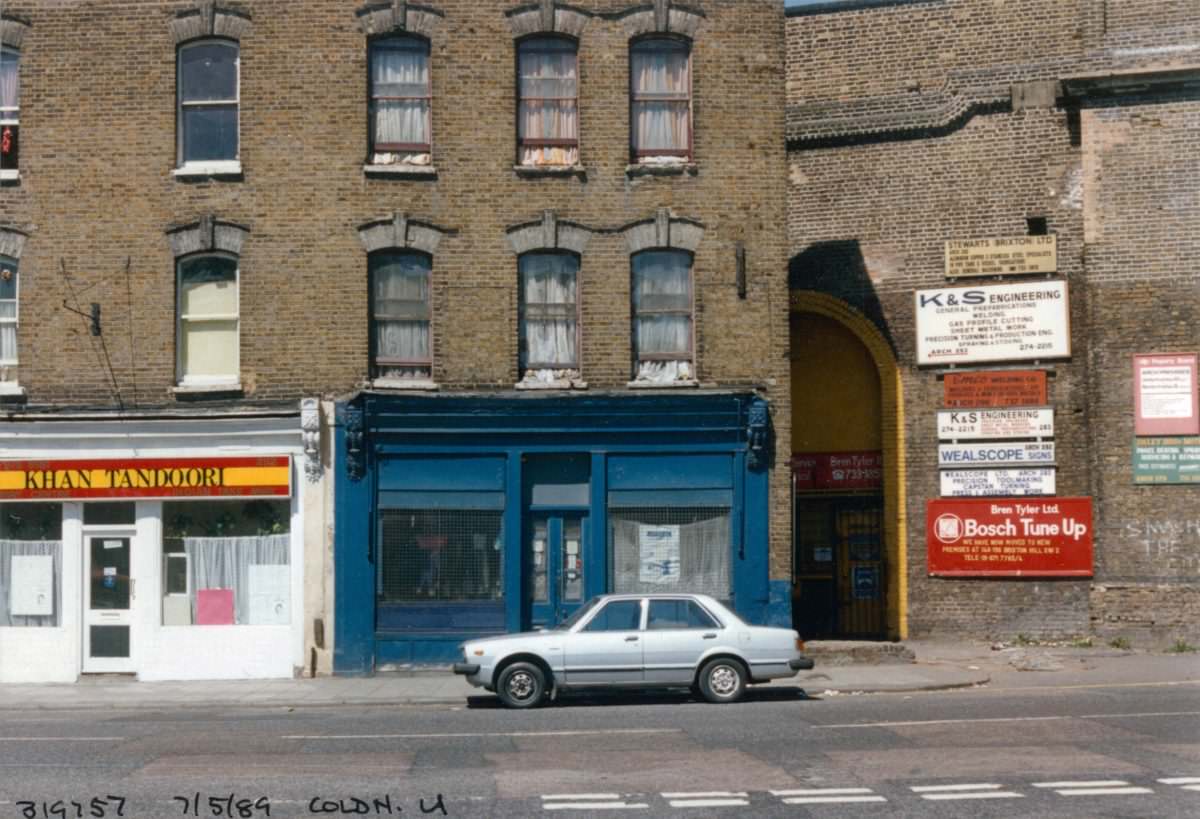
column 526, row 263
column 911, row 125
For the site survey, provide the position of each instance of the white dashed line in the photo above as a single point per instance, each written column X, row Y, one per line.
column 707, row 799
column 943, row 793
column 62, row 739
column 609, row 732
column 964, row 787
column 1095, row 783
column 589, row 801
column 1181, row 780
column 827, row 796
column 1099, row 787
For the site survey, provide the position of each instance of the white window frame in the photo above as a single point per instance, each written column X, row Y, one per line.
column 206, row 381
column 11, row 116
column 15, row 321
column 185, row 167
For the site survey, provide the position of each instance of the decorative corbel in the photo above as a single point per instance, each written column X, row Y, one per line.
column 310, row 433
column 758, row 434
column 356, row 459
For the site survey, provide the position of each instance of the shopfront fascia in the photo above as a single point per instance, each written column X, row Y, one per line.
column 471, row 515
column 167, row 548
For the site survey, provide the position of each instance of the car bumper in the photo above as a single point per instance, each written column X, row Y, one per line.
column 467, row 669
column 800, row 663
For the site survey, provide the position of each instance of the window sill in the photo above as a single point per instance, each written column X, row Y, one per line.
column 200, row 392
column 663, row 385
column 10, row 175
column 544, row 171
column 400, row 169
column 669, row 169
column 559, row 384
column 421, row 384
column 204, row 170
column 11, row 392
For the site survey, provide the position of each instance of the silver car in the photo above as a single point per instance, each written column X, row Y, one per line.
column 635, row 641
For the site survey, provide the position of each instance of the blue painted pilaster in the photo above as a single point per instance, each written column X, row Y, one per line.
column 514, row 547
column 595, row 554
column 354, row 571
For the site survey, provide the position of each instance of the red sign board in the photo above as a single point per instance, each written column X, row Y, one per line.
column 838, row 470
column 1005, row 388
column 146, row 478
column 1166, row 395
column 1009, row 537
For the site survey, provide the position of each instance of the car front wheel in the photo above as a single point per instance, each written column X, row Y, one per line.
column 723, row 680
column 521, row 685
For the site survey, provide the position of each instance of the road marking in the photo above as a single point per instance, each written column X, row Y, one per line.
column 831, row 800
column 1094, row 783
column 609, row 732
column 1095, row 787
column 1181, row 780
column 589, row 801
column 1103, row 791
column 969, row 720
column 936, row 788
column 827, row 796
column 708, row 803
column 704, row 795
column 1195, row 788
column 62, row 739
column 941, row 793
column 819, row 791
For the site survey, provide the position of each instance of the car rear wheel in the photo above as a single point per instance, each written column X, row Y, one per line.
column 521, row 685
column 723, row 680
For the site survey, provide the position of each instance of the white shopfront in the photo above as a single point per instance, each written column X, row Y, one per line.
column 170, row 548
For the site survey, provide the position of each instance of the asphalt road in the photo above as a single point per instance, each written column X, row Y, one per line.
column 1069, row 751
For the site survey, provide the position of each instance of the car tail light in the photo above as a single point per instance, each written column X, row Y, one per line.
column 799, row 644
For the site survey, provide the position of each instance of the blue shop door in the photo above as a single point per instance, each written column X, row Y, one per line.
column 554, row 555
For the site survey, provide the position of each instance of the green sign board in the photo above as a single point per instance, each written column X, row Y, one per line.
column 1166, row 460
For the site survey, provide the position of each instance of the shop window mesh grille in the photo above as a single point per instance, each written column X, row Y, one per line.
column 440, row 555
column 641, row 538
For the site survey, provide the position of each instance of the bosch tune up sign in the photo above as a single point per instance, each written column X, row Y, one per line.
column 1009, row 537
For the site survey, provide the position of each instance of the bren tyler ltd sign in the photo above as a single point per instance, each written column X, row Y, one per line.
column 146, row 478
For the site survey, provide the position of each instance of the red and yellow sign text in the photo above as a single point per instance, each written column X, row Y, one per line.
column 146, row 478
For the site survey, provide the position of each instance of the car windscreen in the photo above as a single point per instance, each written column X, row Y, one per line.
column 579, row 614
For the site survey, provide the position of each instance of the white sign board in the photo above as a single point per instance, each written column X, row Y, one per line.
column 659, row 547
column 270, row 595
column 993, row 424
column 32, row 591
column 1000, row 322
column 960, row 456
column 976, row 483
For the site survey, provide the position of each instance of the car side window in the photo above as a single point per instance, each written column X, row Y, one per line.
column 677, row 614
column 619, row 615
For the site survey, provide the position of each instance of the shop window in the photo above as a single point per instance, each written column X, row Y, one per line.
column 660, row 80
column 662, row 316
column 548, row 112
column 400, row 315
column 226, row 563
column 440, row 555
column 549, row 316
column 209, row 82
column 670, row 549
column 30, row 564
column 400, row 101
column 207, row 329
column 10, row 112
column 8, row 311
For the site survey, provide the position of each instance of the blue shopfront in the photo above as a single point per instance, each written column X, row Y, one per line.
column 461, row 516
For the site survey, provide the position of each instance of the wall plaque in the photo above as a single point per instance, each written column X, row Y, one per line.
column 993, row 424
column 974, row 456
column 1001, row 322
column 1001, row 257
column 1166, row 396
column 1166, row 460
column 984, row 483
column 1003, row 388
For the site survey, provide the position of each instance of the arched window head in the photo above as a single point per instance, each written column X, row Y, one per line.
column 660, row 100
column 548, row 90
column 208, row 93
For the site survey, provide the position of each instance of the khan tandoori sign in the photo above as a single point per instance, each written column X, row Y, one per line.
column 146, row 478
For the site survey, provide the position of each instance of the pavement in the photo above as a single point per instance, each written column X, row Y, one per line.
column 842, row 669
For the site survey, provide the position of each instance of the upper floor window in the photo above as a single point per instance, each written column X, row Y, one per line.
column 402, row 347
column 662, row 316
column 8, row 311
column 10, row 109
column 548, row 114
column 549, row 314
column 207, row 320
column 400, row 101
column 208, row 76
column 660, row 79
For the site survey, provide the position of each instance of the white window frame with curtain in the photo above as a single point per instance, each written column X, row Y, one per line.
column 548, row 102
column 549, row 318
column 664, row 308
column 9, row 312
column 186, row 107
column 10, row 113
column 186, row 321
column 405, row 354
column 660, row 105
column 412, row 69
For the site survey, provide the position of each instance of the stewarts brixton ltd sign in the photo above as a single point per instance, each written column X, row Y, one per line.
column 146, row 478
column 1001, row 322
column 1009, row 537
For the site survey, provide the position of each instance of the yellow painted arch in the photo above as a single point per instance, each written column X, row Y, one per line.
column 895, row 523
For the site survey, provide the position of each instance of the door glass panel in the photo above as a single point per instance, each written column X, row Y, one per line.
column 109, row 641
column 110, row 573
column 572, row 584
column 539, row 562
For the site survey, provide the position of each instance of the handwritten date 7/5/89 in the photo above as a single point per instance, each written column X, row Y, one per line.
column 229, row 806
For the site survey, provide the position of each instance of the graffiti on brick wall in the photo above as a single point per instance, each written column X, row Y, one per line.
column 1173, row 542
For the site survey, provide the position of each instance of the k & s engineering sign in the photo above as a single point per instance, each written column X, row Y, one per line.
column 1003, row 322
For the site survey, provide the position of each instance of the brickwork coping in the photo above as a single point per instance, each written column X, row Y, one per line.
column 209, row 20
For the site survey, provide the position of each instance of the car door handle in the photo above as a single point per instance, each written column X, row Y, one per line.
column 631, row 639
column 710, row 636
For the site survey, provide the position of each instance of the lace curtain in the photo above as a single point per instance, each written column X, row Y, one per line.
column 662, row 303
column 40, row 548
column 10, row 83
column 548, row 282
column 661, row 90
column 401, row 285
column 8, row 313
column 549, row 108
column 400, row 72
column 704, row 550
column 224, row 563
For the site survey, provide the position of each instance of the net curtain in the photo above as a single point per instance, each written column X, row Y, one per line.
column 43, row 548
column 549, row 298
column 704, row 552
column 10, row 83
column 400, row 68
column 8, row 312
column 662, row 87
column 401, row 285
column 224, row 563
column 662, row 302
column 549, row 109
